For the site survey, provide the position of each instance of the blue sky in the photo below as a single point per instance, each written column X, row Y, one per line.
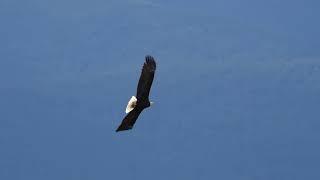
column 236, row 91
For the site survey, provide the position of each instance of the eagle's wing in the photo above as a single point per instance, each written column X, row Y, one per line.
column 128, row 121
column 146, row 78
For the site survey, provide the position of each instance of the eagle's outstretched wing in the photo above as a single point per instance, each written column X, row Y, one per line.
column 128, row 121
column 146, row 79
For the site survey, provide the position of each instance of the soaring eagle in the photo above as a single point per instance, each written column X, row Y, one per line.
column 137, row 104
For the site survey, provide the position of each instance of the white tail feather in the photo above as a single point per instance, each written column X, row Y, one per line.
column 131, row 104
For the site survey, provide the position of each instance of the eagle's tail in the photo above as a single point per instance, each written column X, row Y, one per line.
column 131, row 104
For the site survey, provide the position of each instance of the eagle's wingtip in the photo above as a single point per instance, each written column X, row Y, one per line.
column 122, row 128
column 149, row 59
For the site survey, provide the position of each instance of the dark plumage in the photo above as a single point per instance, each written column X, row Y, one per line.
column 143, row 90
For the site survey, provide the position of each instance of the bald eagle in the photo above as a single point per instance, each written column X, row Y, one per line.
column 137, row 104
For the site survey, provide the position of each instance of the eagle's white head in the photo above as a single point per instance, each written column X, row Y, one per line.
column 132, row 104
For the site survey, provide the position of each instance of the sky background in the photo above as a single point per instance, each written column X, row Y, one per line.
column 236, row 92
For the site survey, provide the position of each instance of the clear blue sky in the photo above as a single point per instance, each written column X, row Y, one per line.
column 237, row 91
